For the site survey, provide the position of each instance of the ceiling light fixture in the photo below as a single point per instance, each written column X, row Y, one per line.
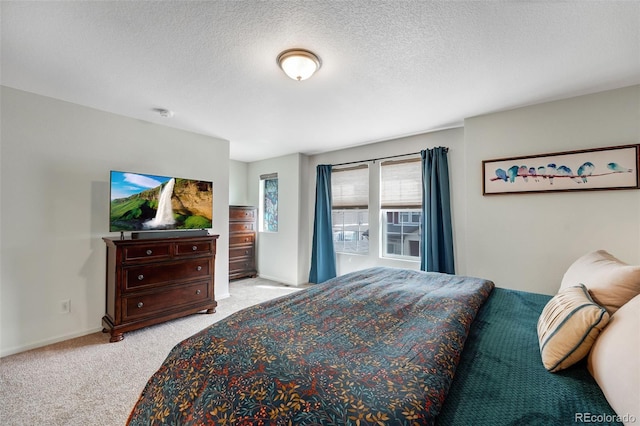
column 299, row 64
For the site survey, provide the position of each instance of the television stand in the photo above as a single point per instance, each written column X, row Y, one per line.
column 151, row 281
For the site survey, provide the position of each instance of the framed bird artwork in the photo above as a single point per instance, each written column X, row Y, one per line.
column 614, row 167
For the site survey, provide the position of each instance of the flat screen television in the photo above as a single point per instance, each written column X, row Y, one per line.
column 142, row 202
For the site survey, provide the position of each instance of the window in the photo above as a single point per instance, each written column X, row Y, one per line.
column 350, row 209
column 269, row 202
column 401, row 233
column 401, row 205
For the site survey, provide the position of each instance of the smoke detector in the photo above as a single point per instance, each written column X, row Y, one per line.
column 167, row 113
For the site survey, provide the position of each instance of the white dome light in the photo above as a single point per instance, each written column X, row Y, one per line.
column 299, row 64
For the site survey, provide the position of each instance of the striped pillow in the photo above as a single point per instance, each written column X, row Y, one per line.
column 568, row 327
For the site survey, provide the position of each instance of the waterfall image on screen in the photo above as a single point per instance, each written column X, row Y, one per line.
column 147, row 202
column 164, row 214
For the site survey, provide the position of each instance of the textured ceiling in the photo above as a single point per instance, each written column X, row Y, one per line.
column 389, row 68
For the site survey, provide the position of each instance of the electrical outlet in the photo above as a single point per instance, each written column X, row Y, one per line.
column 65, row 306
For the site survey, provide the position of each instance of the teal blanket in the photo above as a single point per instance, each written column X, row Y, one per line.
column 500, row 379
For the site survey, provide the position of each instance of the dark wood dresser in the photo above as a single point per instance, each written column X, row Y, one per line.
column 150, row 281
column 242, row 241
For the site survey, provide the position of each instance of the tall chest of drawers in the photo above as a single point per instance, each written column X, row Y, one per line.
column 150, row 281
column 242, row 241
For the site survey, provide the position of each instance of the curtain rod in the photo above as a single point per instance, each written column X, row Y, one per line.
column 376, row 159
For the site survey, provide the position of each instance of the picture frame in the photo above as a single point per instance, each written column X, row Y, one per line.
column 614, row 167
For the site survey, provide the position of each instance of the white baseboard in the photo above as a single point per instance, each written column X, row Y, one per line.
column 222, row 296
column 45, row 342
column 279, row 280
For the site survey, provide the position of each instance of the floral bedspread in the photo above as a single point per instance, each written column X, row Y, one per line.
column 378, row 346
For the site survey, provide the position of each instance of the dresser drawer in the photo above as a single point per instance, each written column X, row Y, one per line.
column 195, row 248
column 242, row 214
column 146, row 252
column 142, row 276
column 240, row 252
column 241, row 227
column 241, row 265
column 137, row 306
column 241, row 239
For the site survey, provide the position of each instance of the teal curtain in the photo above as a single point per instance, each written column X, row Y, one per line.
column 323, row 256
column 437, row 231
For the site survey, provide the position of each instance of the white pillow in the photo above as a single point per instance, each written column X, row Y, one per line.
column 568, row 325
column 614, row 361
column 611, row 282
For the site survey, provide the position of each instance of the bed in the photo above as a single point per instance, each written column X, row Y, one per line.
column 379, row 346
column 500, row 379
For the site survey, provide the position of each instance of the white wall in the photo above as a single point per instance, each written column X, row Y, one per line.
column 453, row 139
column 55, row 158
column 278, row 252
column 527, row 241
column 520, row 241
column 238, row 171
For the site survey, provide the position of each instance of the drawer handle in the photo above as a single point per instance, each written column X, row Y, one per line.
column 149, row 252
column 198, row 291
column 140, row 277
column 246, row 239
column 246, row 252
column 194, row 248
column 140, row 304
column 199, row 268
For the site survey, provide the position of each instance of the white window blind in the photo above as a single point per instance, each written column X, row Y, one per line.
column 350, row 187
column 401, row 184
column 269, row 176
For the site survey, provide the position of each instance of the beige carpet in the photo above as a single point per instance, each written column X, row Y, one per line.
column 89, row 381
